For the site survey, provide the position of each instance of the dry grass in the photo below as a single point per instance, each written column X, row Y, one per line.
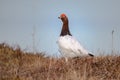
column 18, row 65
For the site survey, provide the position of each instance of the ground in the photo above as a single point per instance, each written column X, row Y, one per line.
column 16, row 64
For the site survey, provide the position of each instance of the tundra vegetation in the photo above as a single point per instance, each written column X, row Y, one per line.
column 16, row 64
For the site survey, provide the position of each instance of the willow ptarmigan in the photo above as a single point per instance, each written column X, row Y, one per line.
column 68, row 45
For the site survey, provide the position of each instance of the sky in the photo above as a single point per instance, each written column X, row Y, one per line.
column 91, row 22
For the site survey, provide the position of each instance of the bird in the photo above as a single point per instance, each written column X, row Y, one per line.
column 69, row 47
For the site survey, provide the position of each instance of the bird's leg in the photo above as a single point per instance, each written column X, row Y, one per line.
column 66, row 59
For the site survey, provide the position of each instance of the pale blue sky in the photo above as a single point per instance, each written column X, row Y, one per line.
column 91, row 22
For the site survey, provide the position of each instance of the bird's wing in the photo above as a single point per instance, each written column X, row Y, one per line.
column 71, row 44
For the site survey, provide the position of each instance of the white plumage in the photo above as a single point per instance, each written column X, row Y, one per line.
column 70, row 47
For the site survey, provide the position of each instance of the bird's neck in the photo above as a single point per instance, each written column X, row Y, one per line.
column 65, row 29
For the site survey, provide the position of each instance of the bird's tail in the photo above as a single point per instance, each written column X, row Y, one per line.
column 90, row 54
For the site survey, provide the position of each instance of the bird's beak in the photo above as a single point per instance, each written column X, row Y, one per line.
column 59, row 17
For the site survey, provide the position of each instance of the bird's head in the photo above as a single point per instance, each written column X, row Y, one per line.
column 63, row 17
